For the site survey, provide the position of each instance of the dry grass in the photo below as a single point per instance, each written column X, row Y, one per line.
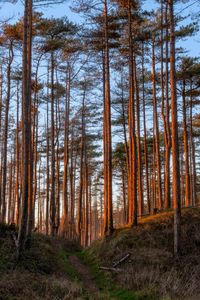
column 42, row 273
column 152, row 271
column 26, row 285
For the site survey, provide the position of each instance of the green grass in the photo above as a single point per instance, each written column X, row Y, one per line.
column 105, row 283
column 69, row 268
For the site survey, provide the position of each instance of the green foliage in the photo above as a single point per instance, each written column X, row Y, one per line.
column 56, row 33
column 119, row 156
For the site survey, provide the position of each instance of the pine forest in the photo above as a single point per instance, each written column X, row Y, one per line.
column 99, row 149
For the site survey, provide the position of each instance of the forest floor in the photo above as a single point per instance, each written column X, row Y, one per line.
column 151, row 270
column 52, row 269
column 56, row 269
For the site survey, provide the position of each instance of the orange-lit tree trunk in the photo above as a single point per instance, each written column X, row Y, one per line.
column 132, row 175
column 156, row 128
column 57, row 160
column 175, row 142
column 66, row 157
column 52, row 197
column 10, row 199
column 35, row 125
column 81, row 176
column 72, row 193
column 17, row 195
column 108, row 216
column 1, row 110
column 5, row 142
column 139, row 156
column 186, row 152
column 86, row 223
column 165, row 111
column 193, row 158
column 26, row 132
column 47, row 159
column 30, row 221
column 145, row 135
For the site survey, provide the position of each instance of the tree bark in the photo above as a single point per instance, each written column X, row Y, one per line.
column 145, row 134
column 139, row 156
column 52, row 199
column 156, row 128
column 175, row 142
column 4, row 179
column 26, row 136
column 132, row 176
column 66, row 155
column 186, row 152
column 108, row 217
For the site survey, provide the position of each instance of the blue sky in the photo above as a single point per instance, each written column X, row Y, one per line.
column 16, row 10
column 9, row 10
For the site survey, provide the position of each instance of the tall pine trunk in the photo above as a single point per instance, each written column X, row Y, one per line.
column 26, row 133
column 132, row 175
column 175, row 142
column 4, row 179
column 186, row 152
column 159, row 205
column 66, row 157
column 52, row 197
column 108, row 217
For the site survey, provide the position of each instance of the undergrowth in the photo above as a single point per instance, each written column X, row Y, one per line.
column 151, row 271
column 106, row 284
column 43, row 272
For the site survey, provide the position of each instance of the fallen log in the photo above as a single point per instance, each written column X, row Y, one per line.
column 123, row 259
column 110, row 269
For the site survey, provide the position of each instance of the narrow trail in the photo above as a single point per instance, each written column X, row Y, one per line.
column 85, row 275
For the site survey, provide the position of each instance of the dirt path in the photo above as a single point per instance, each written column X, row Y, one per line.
column 85, row 275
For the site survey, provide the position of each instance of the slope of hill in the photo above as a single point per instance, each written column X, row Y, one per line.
column 55, row 269
column 52, row 269
column 151, row 270
column 43, row 272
